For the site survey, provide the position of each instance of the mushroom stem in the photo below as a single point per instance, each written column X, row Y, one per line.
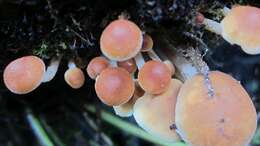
column 71, row 64
column 52, row 69
column 153, row 55
column 139, row 60
column 225, row 10
column 213, row 26
column 113, row 63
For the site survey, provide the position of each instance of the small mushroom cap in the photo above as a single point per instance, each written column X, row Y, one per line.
column 128, row 65
column 114, row 86
column 147, row 43
column 121, row 40
column 241, row 26
column 126, row 110
column 170, row 66
column 155, row 113
column 24, row 74
column 74, row 77
column 226, row 119
column 96, row 65
column 154, row 77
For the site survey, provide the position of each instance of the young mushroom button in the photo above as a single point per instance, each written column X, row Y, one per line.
column 74, row 76
column 121, row 40
column 154, row 77
column 228, row 118
column 24, row 74
column 96, row 66
column 114, row 86
column 128, row 65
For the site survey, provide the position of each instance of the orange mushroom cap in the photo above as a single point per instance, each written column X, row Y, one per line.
column 114, row 86
column 147, row 43
column 121, row 40
column 74, row 77
column 154, row 77
column 128, row 65
column 241, row 26
column 96, row 65
column 155, row 113
column 226, row 119
column 24, row 74
column 126, row 110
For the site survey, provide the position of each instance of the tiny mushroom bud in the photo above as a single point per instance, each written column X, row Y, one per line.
column 121, row 40
column 24, row 74
column 114, row 86
column 74, row 76
column 241, row 26
column 147, row 43
column 155, row 113
column 96, row 66
column 228, row 118
column 126, row 110
column 128, row 65
column 169, row 64
column 154, row 77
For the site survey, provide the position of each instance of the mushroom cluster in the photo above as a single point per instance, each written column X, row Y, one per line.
column 240, row 26
column 25, row 74
column 163, row 106
column 132, row 86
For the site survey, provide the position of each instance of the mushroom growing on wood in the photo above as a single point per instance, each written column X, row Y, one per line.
column 96, row 66
column 240, row 26
column 228, row 118
column 24, row 74
column 114, row 86
column 155, row 113
column 121, row 40
column 74, row 76
column 154, row 77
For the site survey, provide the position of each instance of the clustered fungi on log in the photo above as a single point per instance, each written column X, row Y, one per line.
column 210, row 108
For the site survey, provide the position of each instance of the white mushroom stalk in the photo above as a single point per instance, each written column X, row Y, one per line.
column 52, row 69
column 153, row 55
column 139, row 59
column 213, row 26
column 225, row 10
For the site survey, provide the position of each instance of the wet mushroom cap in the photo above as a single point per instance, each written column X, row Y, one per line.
column 74, row 77
column 155, row 113
column 147, row 43
column 121, row 40
column 128, row 65
column 154, row 77
column 114, row 86
column 241, row 26
column 226, row 119
column 126, row 110
column 96, row 65
column 24, row 74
